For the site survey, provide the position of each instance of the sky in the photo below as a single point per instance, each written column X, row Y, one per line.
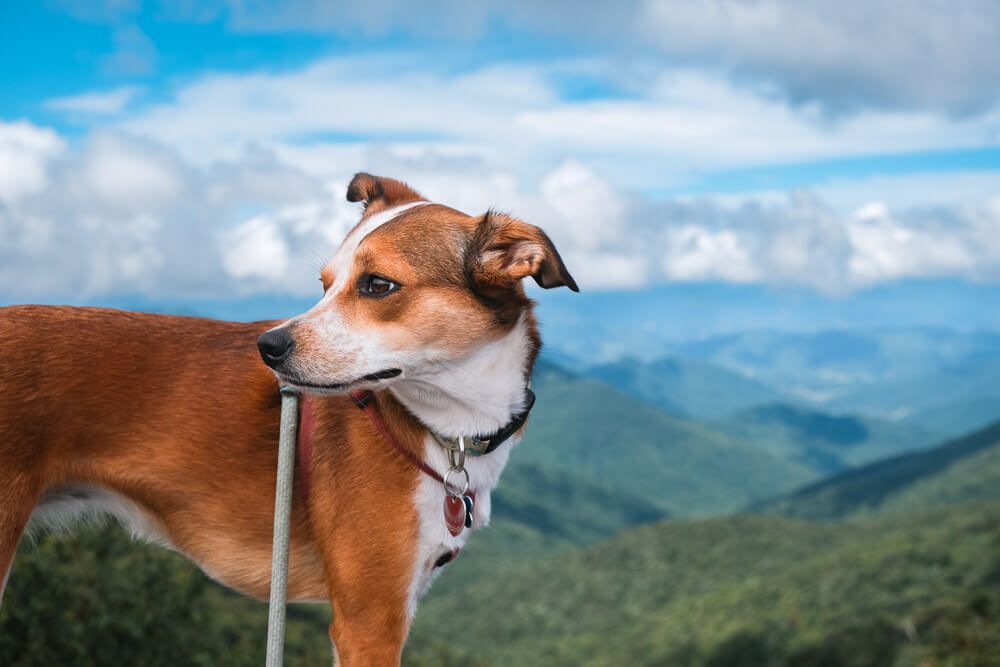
column 185, row 151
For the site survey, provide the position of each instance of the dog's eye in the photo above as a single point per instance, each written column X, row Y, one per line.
column 371, row 284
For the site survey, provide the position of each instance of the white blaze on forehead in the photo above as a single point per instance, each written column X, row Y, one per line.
column 344, row 257
column 355, row 354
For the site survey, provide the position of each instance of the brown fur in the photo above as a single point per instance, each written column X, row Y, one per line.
column 179, row 415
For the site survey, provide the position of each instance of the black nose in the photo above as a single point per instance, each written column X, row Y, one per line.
column 275, row 346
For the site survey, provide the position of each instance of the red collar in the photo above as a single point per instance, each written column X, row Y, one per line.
column 366, row 401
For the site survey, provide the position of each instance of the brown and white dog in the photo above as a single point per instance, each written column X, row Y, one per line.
column 170, row 423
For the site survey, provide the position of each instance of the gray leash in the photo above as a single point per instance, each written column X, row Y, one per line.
column 287, row 441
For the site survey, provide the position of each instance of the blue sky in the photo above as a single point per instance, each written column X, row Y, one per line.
column 199, row 150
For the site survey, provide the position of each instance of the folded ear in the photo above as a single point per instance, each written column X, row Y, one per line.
column 380, row 190
column 504, row 250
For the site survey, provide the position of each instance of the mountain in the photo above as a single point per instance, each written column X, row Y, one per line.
column 960, row 416
column 685, row 387
column 827, row 443
column 539, row 512
column 880, row 372
column 744, row 591
column 590, row 429
column 605, row 325
column 960, row 470
column 972, row 382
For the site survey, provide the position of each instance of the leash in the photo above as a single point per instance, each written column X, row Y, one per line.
column 282, row 519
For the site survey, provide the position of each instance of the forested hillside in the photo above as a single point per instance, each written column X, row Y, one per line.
column 748, row 590
column 960, row 470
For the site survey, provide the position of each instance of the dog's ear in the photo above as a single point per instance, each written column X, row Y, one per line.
column 380, row 190
column 504, row 250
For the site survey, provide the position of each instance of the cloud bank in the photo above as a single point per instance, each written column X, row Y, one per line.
column 942, row 55
column 118, row 214
column 224, row 184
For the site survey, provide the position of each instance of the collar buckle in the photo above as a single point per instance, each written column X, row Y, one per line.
column 479, row 445
column 471, row 446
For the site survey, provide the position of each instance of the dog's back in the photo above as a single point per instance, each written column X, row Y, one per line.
column 100, row 405
column 83, row 377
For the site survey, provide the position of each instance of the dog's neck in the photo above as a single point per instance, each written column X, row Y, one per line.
column 476, row 395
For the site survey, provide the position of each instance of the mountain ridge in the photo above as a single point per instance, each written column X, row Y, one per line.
column 868, row 488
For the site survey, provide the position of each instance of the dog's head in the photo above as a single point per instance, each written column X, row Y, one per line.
column 416, row 289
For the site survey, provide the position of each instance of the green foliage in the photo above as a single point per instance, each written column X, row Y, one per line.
column 588, row 428
column 685, row 386
column 539, row 512
column 99, row 599
column 960, row 632
column 961, row 470
column 743, row 590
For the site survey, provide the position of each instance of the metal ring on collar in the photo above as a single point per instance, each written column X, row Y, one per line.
column 448, row 487
column 460, row 463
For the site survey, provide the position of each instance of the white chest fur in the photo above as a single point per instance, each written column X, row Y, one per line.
column 477, row 394
column 434, row 539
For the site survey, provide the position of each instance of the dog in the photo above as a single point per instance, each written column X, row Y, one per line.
column 420, row 349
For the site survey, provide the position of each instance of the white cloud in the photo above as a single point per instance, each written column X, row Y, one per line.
column 374, row 98
column 120, row 214
column 126, row 216
column 913, row 190
column 803, row 241
column 586, row 207
column 892, row 53
column 942, row 56
column 704, row 122
column 404, row 110
column 844, row 54
column 608, row 270
column 129, row 175
column 104, row 103
column 694, row 253
column 25, row 154
column 253, row 249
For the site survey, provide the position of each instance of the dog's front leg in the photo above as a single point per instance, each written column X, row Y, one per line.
column 370, row 566
column 369, row 597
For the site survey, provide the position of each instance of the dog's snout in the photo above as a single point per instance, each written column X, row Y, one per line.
column 275, row 346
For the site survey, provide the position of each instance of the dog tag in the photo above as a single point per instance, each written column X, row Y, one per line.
column 456, row 514
column 469, row 504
